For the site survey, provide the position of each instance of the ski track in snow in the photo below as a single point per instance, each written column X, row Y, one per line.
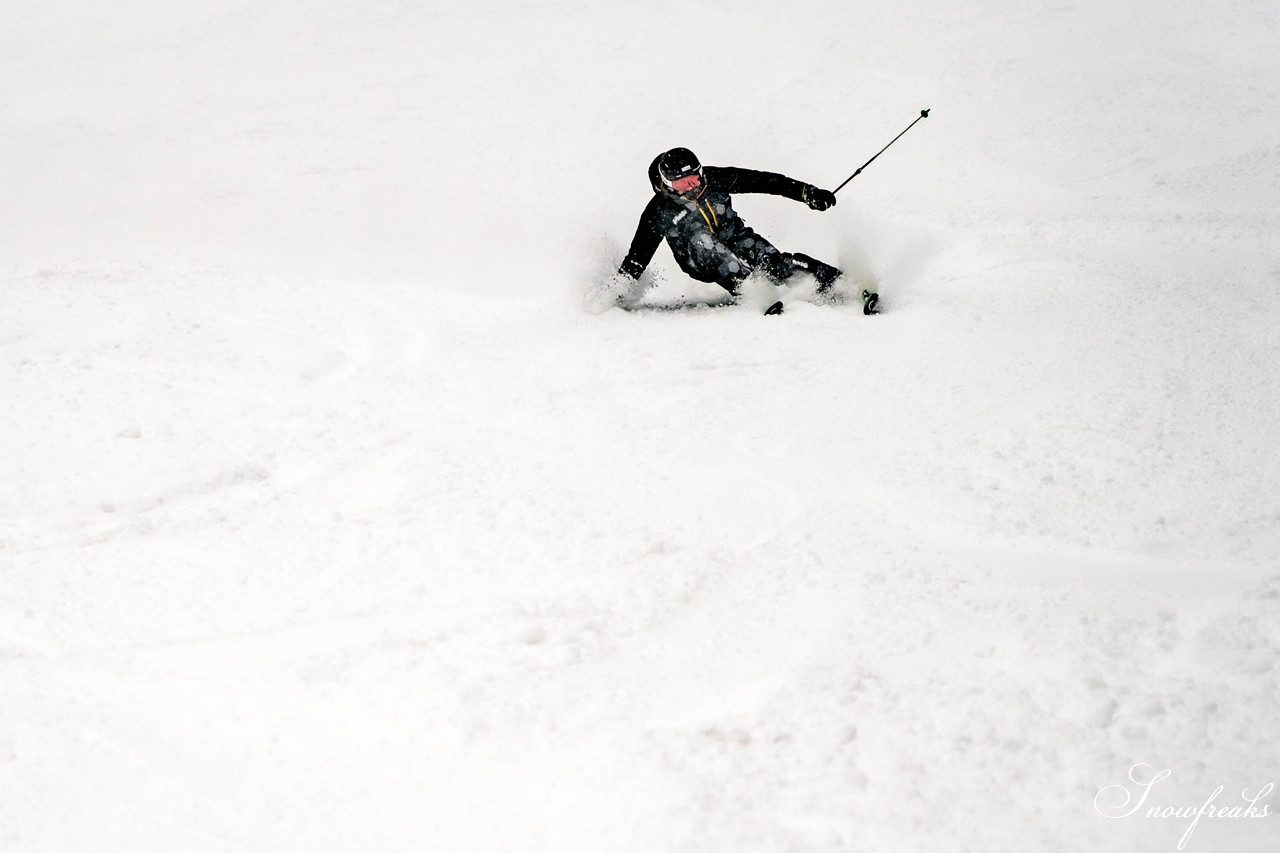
column 709, row 601
column 330, row 522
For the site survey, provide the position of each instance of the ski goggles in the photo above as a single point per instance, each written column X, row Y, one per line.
column 688, row 183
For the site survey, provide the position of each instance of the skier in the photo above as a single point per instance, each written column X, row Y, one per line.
column 692, row 208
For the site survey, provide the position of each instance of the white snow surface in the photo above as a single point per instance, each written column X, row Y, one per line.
column 330, row 521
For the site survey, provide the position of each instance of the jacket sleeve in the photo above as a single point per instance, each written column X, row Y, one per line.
column 648, row 236
column 731, row 179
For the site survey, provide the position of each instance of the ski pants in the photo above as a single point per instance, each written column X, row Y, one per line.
column 735, row 259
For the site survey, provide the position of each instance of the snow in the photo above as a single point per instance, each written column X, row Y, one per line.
column 331, row 521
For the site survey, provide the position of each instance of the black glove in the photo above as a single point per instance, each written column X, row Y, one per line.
column 631, row 268
column 818, row 199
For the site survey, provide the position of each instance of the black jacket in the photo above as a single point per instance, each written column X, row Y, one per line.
column 702, row 231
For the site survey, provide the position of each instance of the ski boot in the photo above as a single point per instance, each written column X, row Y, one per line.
column 870, row 302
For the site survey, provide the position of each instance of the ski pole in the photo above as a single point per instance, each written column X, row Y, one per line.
column 923, row 114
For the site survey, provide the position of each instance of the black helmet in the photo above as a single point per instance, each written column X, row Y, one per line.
column 675, row 165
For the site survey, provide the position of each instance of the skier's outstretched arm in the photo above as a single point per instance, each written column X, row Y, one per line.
column 645, row 242
column 624, row 288
column 735, row 180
